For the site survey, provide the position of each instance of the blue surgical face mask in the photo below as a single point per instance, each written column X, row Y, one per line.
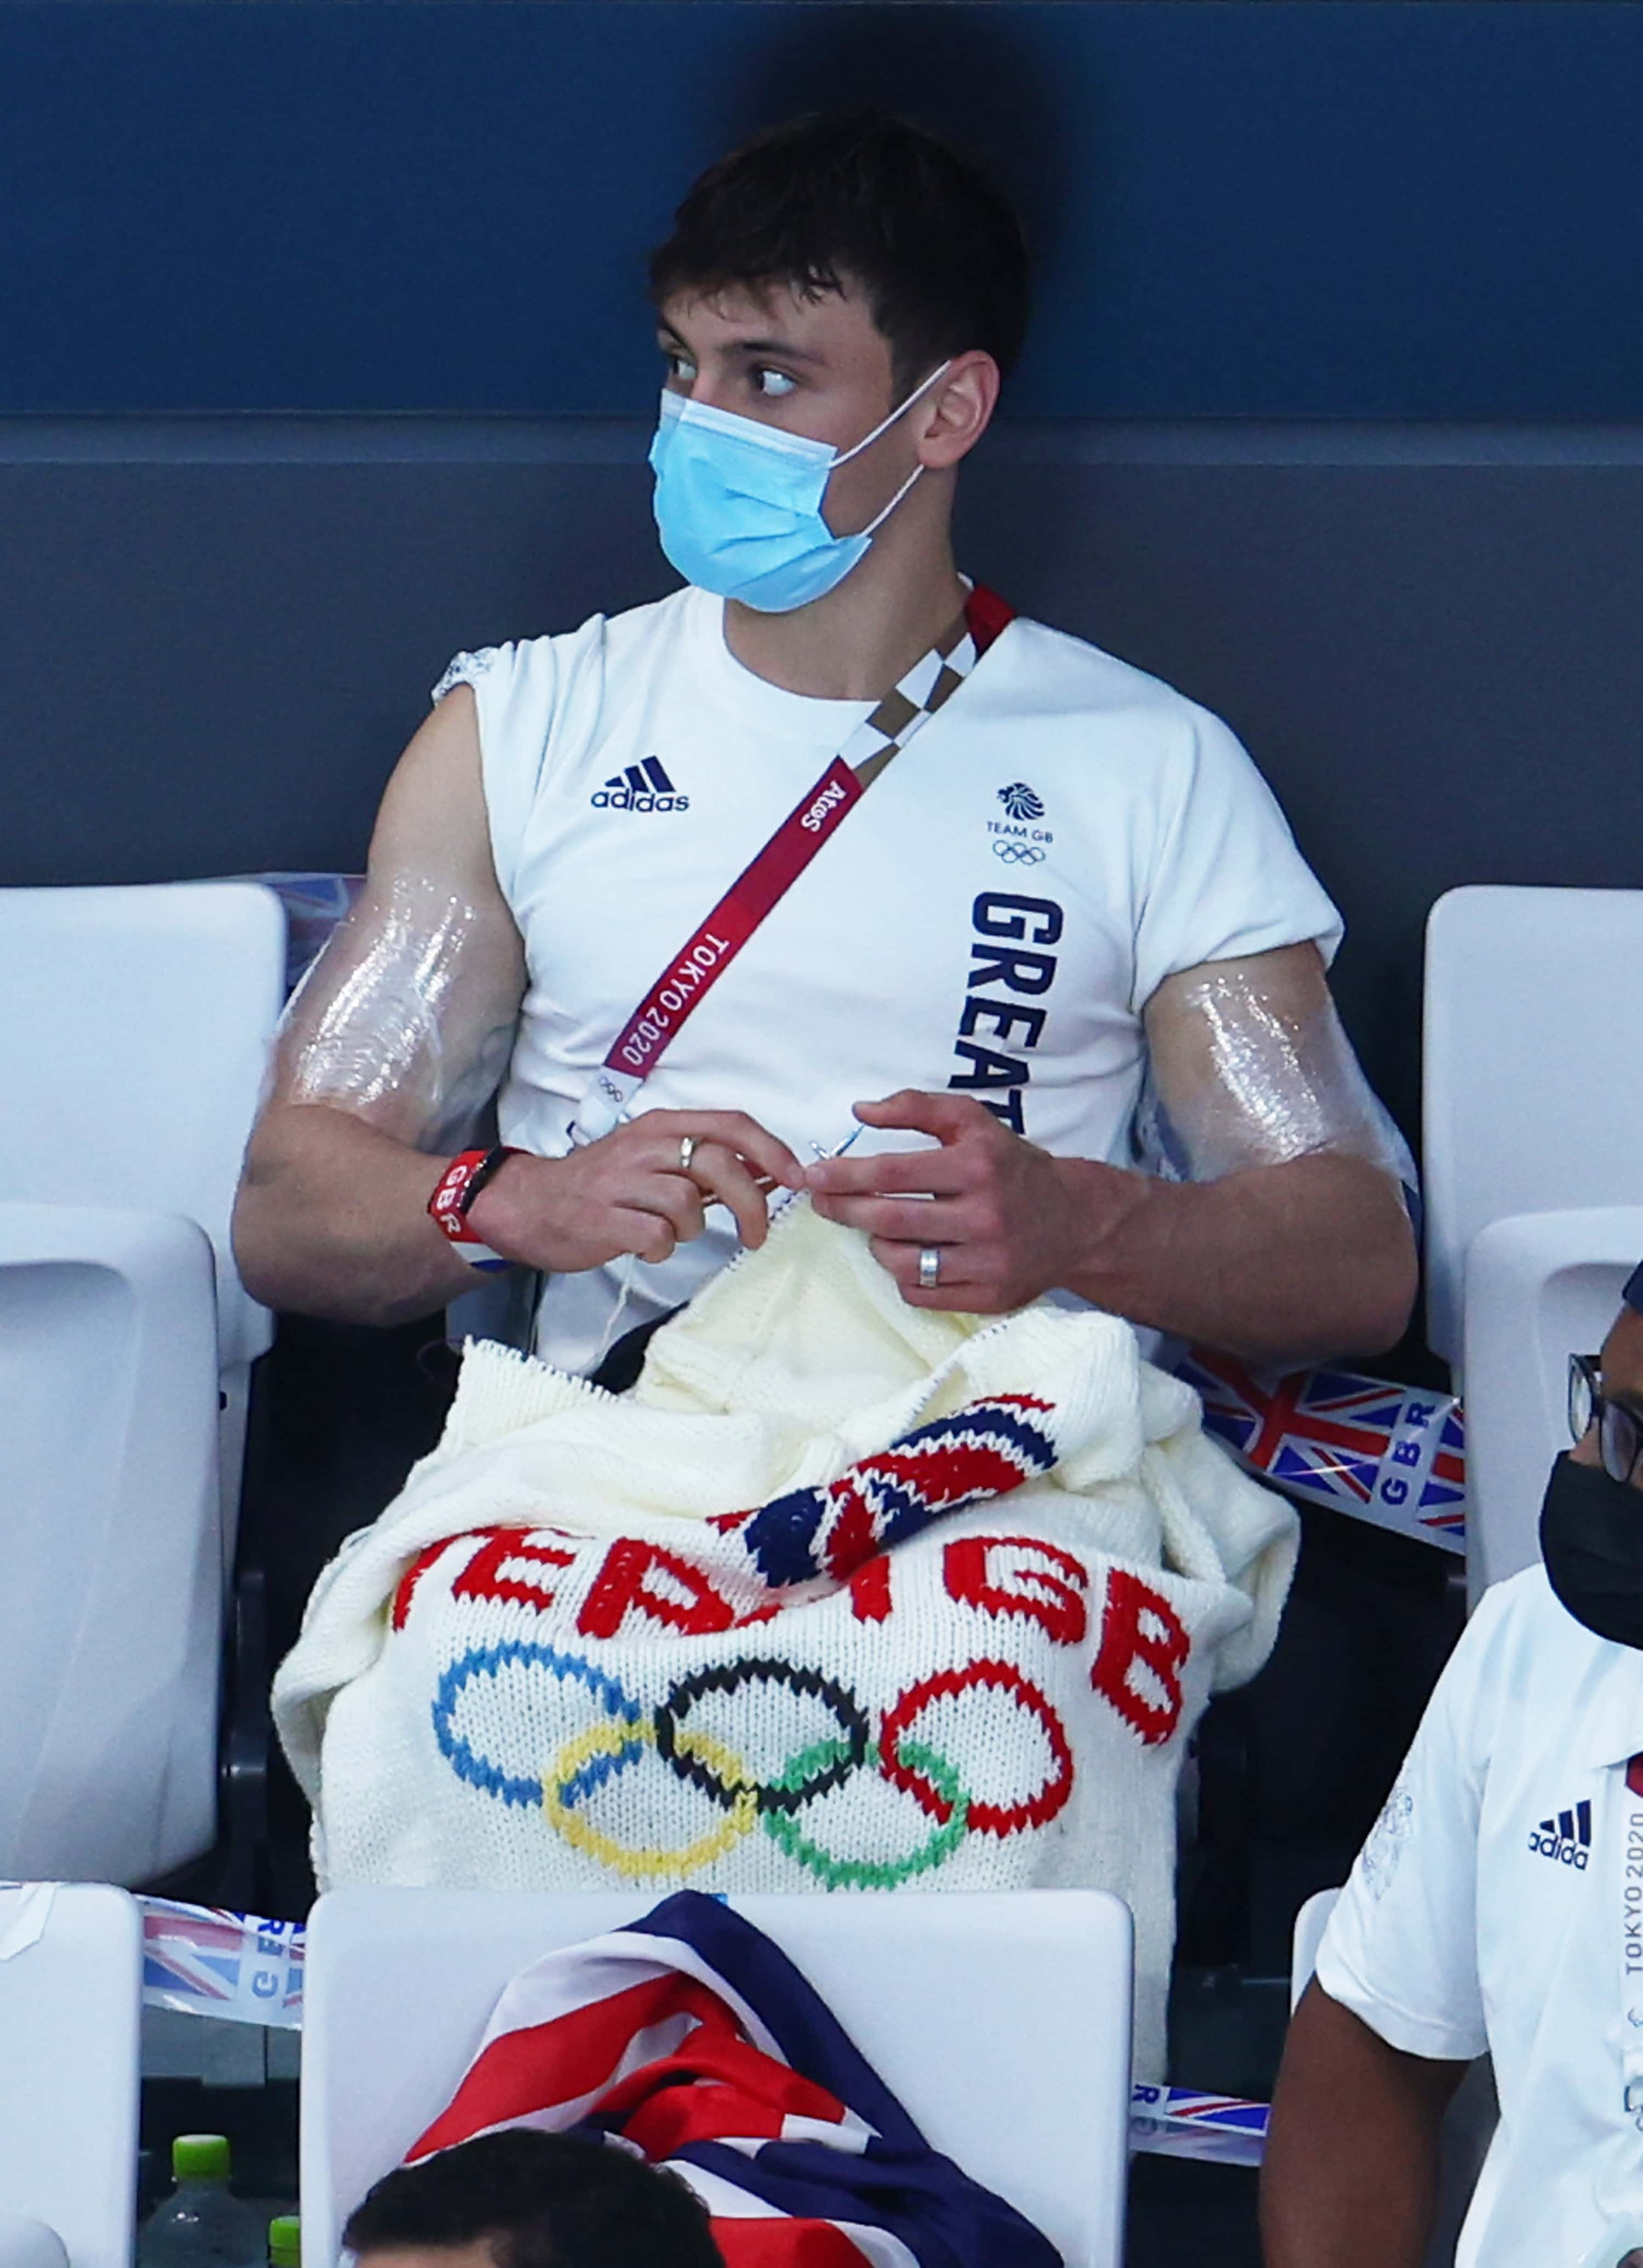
column 739, row 503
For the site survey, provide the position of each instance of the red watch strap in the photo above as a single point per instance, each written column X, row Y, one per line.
column 459, row 1184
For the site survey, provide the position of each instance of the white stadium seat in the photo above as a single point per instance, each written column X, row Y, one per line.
column 1533, row 1069
column 1539, row 1287
column 399, row 1984
column 1533, row 1081
column 134, row 1028
column 1310, row 1924
column 71, row 1994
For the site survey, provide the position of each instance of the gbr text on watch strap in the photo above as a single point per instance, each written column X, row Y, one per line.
column 453, row 1193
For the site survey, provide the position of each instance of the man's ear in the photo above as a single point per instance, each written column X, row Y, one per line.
column 962, row 403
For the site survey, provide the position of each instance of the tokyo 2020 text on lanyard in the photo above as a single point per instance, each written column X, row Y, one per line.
column 1629, row 1923
column 666, row 1006
column 1621, row 2237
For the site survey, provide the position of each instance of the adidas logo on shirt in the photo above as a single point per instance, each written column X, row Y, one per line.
column 1567, row 1839
column 641, row 787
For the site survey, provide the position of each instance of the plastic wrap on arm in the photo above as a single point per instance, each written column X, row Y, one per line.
column 1248, row 1065
column 407, row 1018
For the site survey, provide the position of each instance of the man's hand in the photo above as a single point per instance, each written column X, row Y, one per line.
column 997, row 1208
column 630, row 1191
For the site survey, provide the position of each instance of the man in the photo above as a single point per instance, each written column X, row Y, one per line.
column 1071, row 875
column 1497, row 1906
column 521, row 2200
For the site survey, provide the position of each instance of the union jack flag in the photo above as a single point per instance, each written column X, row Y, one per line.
column 692, row 2039
column 1174, row 2122
column 1236, row 2114
column 209, row 1962
column 1388, row 1454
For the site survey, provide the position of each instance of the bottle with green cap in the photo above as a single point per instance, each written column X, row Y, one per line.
column 286, row 2240
column 202, row 2224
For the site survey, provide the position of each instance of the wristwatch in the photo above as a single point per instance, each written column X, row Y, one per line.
column 455, row 1192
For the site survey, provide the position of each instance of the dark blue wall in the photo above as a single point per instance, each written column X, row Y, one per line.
column 1347, row 218
column 1345, row 209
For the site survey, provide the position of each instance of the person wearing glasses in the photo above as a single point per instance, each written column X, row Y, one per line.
column 1497, row 1907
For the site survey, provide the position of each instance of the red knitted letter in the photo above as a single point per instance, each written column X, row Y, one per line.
column 483, row 1579
column 624, row 1581
column 1052, row 1601
column 413, row 1575
column 1128, row 1642
column 870, row 1589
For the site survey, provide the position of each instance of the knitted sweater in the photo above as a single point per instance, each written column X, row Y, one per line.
column 845, row 1594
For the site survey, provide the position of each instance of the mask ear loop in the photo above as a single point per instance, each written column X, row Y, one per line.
column 873, row 525
column 845, row 456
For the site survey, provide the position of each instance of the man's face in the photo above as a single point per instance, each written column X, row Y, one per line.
column 1622, row 1381
column 820, row 367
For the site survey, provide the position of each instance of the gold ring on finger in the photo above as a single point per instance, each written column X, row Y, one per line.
column 687, row 1150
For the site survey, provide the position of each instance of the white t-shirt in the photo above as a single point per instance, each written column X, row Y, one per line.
column 1498, row 1905
column 1063, row 836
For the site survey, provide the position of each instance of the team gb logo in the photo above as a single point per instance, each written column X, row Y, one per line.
column 1019, row 801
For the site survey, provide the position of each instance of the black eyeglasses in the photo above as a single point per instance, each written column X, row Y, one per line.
column 1620, row 1430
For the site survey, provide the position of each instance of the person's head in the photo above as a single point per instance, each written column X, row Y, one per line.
column 1591, row 1520
column 521, row 2200
column 1612, row 1437
column 820, row 273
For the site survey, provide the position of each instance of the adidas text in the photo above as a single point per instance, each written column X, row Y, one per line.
column 624, row 799
column 1567, row 1837
column 640, row 787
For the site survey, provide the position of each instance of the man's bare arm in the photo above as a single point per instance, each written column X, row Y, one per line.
column 1350, row 2176
column 1298, row 1257
column 394, row 1044
column 1290, row 1237
column 401, row 1029
column 1303, row 1262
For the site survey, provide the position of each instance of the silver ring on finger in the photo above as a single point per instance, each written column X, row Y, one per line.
column 687, row 1150
column 929, row 1267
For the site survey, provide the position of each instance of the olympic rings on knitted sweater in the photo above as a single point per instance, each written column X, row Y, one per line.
column 607, row 1749
column 902, row 1769
column 875, row 1874
column 489, row 1660
column 605, row 1741
column 834, row 1768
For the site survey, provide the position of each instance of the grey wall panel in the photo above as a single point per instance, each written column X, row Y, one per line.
column 209, row 666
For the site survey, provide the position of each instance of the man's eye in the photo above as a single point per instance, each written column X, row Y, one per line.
column 774, row 383
column 680, row 367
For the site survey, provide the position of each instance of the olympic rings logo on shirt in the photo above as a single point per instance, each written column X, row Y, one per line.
column 624, row 1734
column 1018, row 854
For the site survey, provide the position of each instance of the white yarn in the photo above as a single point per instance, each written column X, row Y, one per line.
column 507, row 1734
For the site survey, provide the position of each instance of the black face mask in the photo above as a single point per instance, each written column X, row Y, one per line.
column 1591, row 1539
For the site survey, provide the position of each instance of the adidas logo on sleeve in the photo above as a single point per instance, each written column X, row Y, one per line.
column 641, row 787
column 1567, row 1839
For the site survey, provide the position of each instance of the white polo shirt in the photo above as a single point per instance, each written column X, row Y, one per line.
column 1497, row 1906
